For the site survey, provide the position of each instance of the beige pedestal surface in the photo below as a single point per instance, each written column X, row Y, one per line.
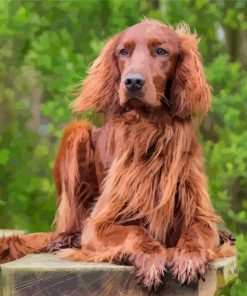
column 48, row 275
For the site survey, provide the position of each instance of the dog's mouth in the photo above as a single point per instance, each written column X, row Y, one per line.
column 143, row 107
column 134, row 104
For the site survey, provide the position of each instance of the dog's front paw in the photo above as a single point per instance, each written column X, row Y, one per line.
column 189, row 265
column 150, row 268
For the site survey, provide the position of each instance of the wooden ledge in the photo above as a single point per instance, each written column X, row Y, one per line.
column 47, row 274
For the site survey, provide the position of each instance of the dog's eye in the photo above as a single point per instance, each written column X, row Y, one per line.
column 161, row 51
column 123, row 52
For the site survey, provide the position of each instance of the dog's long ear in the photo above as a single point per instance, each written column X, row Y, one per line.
column 99, row 89
column 189, row 90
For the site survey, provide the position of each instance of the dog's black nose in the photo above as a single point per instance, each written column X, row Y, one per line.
column 134, row 81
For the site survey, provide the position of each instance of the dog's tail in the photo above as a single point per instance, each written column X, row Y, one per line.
column 226, row 250
column 223, row 251
column 16, row 246
column 226, row 247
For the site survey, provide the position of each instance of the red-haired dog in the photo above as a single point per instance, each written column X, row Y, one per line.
column 136, row 188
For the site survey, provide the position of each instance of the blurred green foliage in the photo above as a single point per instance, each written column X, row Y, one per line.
column 45, row 49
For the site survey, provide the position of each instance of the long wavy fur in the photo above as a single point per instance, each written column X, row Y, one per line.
column 151, row 163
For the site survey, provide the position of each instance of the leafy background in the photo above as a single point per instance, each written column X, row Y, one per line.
column 45, row 49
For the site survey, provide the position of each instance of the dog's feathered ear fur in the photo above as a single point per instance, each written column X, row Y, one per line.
column 190, row 92
column 99, row 90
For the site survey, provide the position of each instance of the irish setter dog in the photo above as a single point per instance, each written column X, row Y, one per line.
column 135, row 190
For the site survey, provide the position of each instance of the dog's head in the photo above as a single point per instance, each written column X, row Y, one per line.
column 151, row 65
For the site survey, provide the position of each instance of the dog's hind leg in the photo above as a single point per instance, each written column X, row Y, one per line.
column 76, row 183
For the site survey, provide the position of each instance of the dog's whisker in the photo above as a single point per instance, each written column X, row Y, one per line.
column 166, row 101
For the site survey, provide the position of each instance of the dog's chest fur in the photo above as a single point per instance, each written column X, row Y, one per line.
column 138, row 158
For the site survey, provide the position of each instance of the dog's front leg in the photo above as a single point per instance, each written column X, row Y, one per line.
column 199, row 236
column 107, row 242
column 191, row 253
